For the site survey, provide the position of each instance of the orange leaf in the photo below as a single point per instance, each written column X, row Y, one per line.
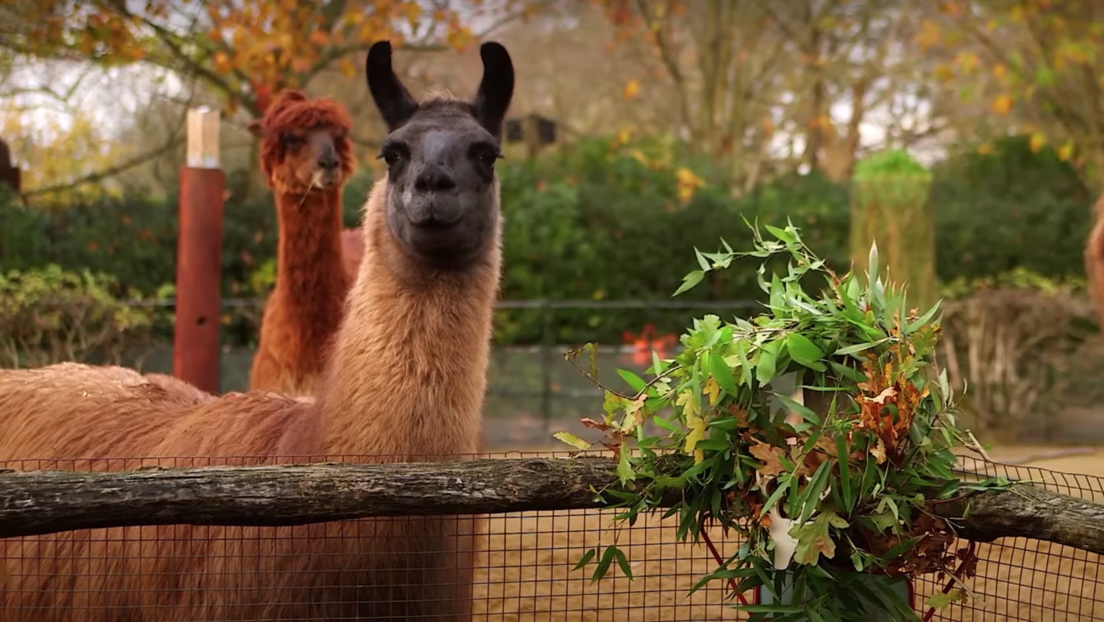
column 632, row 88
column 769, row 455
column 1002, row 105
column 929, row 35
column 222, row 62
column 320, row 38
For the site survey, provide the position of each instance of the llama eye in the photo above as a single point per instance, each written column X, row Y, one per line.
column 390, row 157
column 488, row 157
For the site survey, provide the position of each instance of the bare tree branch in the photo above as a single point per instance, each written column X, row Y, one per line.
column 125, row 165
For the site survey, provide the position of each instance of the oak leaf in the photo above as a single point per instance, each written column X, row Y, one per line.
column 878, row 451
column 696, row 426
column 881, row 398
column 769, row 455
column 813, row 538
column 597, row 425
column 712, row 389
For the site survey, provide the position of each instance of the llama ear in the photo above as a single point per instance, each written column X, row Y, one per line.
column 496, row 89
column 394, row 102
column 255, row 128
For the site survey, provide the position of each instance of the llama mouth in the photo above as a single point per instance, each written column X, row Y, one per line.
column 435, row 217
column 323, row 181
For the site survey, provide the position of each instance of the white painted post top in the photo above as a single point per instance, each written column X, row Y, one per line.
column 203, row 138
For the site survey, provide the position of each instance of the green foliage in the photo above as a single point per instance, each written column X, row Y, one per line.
column 599, row 220
column 890, row 163
column 1012, row 208
column 845, row 486
column 890, row 207
column 48, row 315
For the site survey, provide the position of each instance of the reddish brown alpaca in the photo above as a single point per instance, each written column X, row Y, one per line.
column 405, row 380
column 307, row 158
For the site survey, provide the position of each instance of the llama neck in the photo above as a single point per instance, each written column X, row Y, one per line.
column 409, row 367
column 311, row 283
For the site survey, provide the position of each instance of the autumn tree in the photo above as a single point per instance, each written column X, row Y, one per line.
column 1037, row 63
column 856, row 54
column 724, row 62
column 244, row 52
column 747, row 73
column 235, row 54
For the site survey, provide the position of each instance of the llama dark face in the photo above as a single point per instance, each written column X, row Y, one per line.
column 442, row 205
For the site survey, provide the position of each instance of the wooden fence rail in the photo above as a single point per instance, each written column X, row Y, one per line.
column 42, row 502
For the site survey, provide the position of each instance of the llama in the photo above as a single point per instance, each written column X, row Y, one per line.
column 307, row 158
column 405, row 380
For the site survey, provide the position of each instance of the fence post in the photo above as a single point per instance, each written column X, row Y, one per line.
column 199, row 255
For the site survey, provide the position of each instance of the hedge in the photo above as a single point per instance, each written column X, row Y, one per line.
column 568, row 217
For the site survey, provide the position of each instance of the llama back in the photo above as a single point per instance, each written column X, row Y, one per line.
column 121, row 414
column 337, row 570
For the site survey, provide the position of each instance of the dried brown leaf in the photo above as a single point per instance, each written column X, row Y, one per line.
column 769, row 455
column 878, row 451
column 597, row 425
column 881, row 398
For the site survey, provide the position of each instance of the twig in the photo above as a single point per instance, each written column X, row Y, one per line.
column 977, row 446
column 130, row 163
column 956, row 577
column 720, row 562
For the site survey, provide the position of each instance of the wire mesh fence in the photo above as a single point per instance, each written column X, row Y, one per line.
column 521, row 566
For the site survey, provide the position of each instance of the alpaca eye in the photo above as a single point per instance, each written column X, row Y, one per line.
column 292, row 141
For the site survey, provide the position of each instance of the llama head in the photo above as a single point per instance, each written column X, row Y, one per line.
column 442, row 204
column 304, row 143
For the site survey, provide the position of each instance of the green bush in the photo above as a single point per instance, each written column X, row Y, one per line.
column 567, row 220
column 1013, row 208
column 48, row 315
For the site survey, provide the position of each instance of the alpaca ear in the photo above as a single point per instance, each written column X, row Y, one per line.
column 394, row 102
column 255, row 128
column 496, row 89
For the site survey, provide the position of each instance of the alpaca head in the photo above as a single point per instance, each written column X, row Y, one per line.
column 304, row 144
column 442, row 203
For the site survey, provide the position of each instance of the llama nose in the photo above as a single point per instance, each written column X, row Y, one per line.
column 328, row 161
column 434, row 178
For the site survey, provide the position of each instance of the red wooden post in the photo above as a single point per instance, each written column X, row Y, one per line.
column 199, row 256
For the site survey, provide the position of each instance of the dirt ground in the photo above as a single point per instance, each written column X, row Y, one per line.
column 527, row 569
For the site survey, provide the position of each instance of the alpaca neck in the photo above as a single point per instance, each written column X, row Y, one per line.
column 409, row 367
column 311, row 283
